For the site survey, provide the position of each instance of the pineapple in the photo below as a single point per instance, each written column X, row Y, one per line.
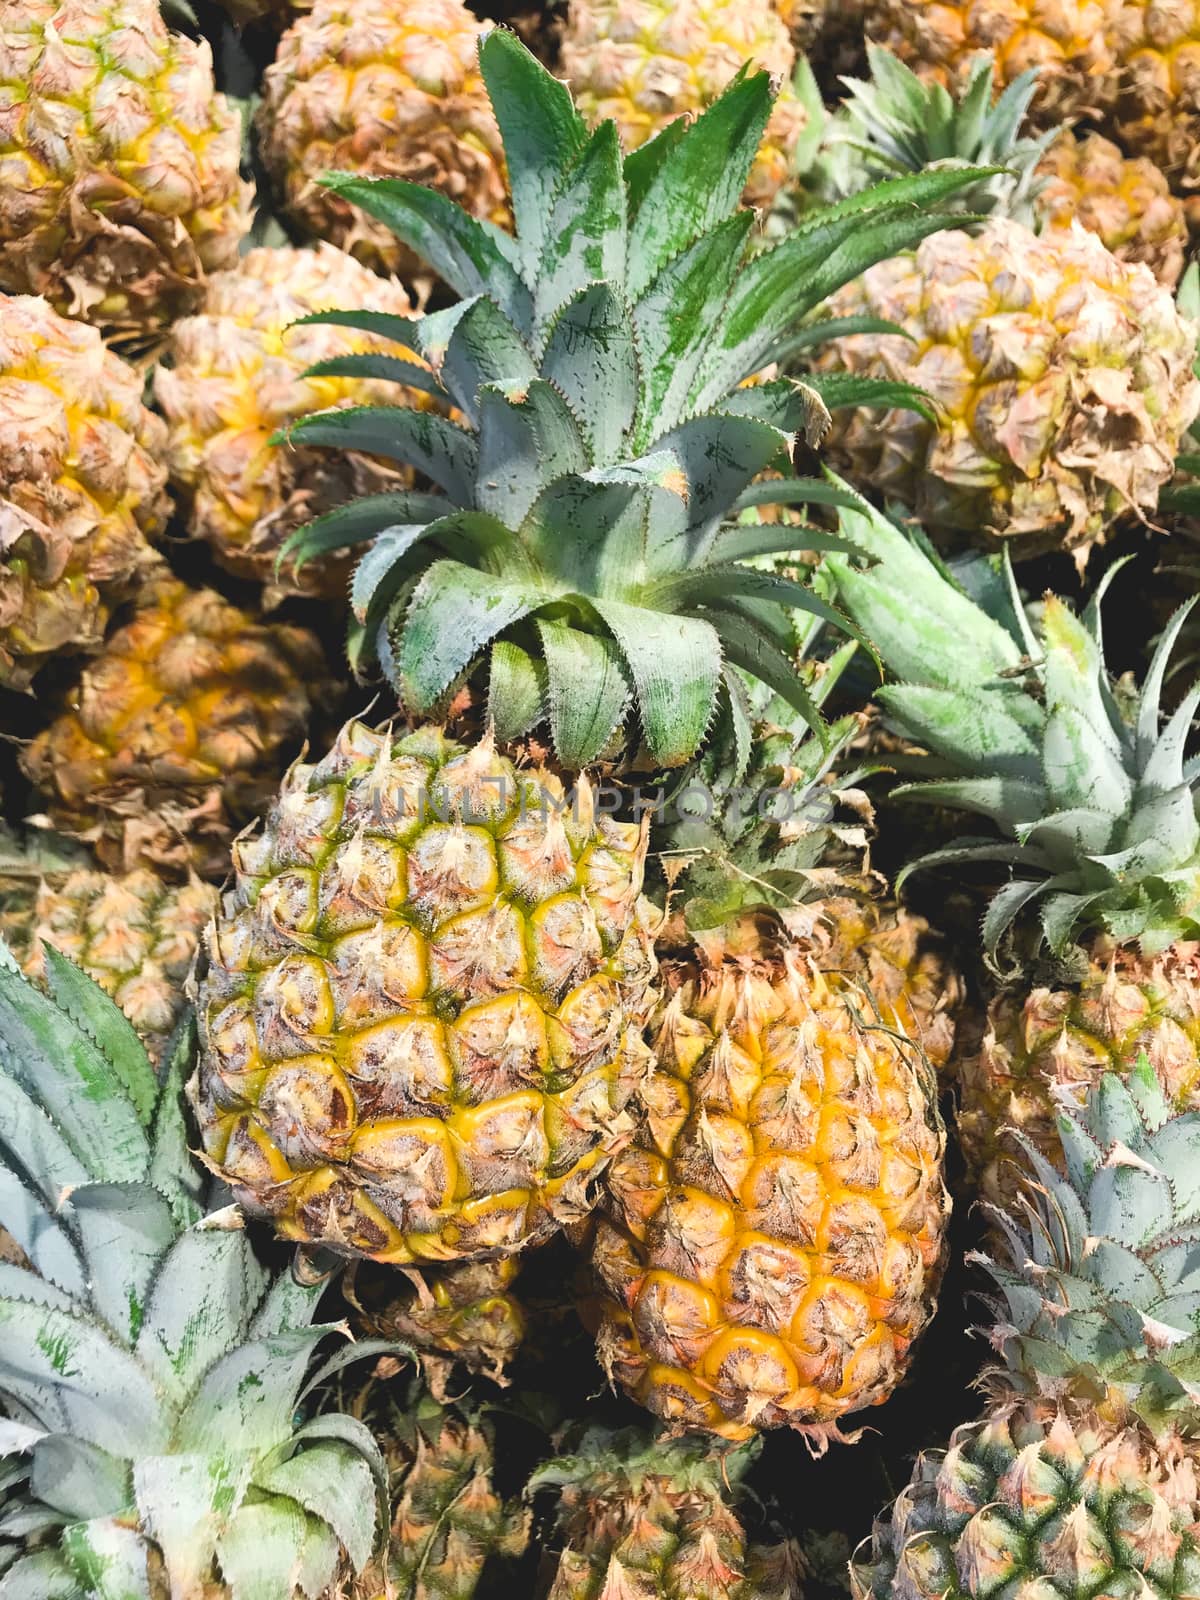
column 770, row 1244
column 423, row 1002
column 1124, row 200
column 426, row 991
column 176, row 735
column 82, row 486
column 465, row 1312
column 1136, row 62
column 645, row 62
column 120, row 164
column 891, row 123
column 1063, row 376
column 153, row 1373
column 1095, row 805
column 765, row 826
column 235, row 373
column 1063, row 373
column 651, row 1518
column 1156, row 46
column 1081, row 1477
column 131, row 933
column 451, row 1530
column 379, row 87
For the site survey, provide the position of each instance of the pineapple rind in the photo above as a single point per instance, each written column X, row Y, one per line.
column 132, row 934
column 771, row 1243
column 178, row 731
column 1156, row 44
column 1032, row 1501
column 380, row 89
column 424, row 1003
column 1063, row 377
column 1047, row 1041
column 1125, row 200
column 82, row 485
column 647, row 62
column 237, row 373
column 120, row 163
column 648, row 1516
column 450, row 1525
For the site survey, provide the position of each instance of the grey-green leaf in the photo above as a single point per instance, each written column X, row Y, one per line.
column 590, row 358
column 454, row 612
column 588, row 690
column 675, row 663
column 125, row 1230
column 86, row 1003
column 542, row 131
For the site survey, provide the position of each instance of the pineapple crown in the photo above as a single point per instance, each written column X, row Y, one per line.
column 1099, row 1276
column 755, row 825
column 1094, row 793
column 150, row 1368
column 893, row 122
column 584, row 541
column 626, row 1464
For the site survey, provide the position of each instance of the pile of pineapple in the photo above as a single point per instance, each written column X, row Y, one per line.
column 586, row 831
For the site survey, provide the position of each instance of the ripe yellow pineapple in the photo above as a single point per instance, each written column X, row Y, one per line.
column 1063, row 379
column 771, row 1243
column 177, row 733
column 82, row 485
column 423, row 1006
column 234, row 373
column 382, row 88
column 133, row 934
column 647, row 62
column 1125, row 200
column 119, row 162
column 900, row 960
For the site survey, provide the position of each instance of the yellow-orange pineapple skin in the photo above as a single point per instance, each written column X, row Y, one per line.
column 901, row 961
column 119, row 183
column 1070, row 42
column 1125, row 200
column 135, row 935
column 423, row 1009
column 1047, row 1041
column 178, row 732
column 234, row 373
column 383, row 88
column 82, row 485
column 771, row 1243
column 646, row 62
column 1063, row 378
